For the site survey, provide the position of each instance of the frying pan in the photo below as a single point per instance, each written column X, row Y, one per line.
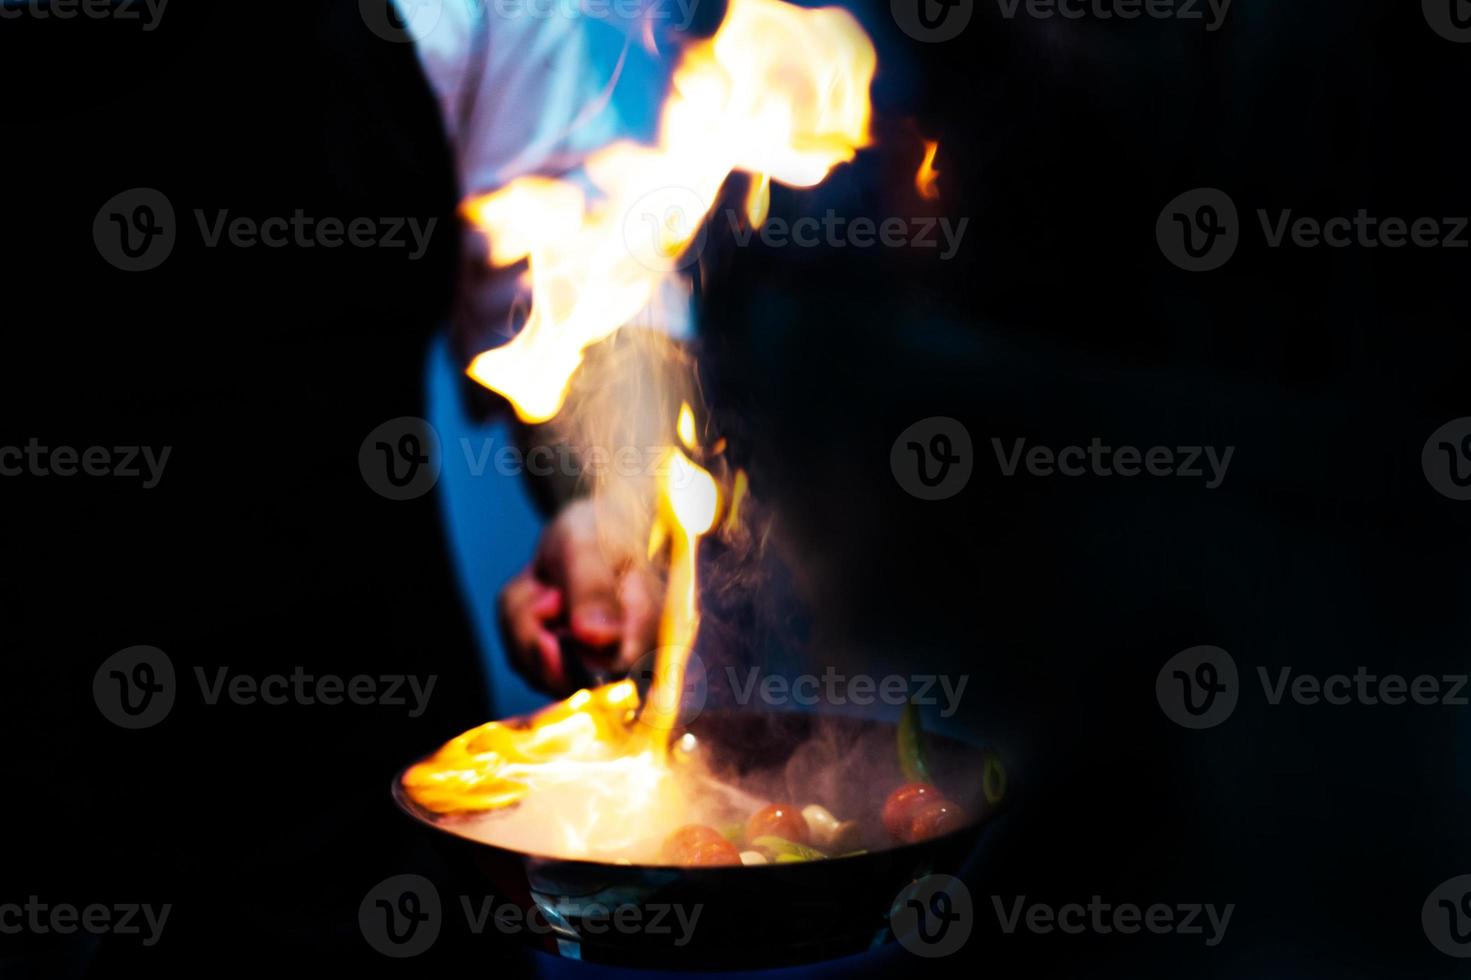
column 749, row 916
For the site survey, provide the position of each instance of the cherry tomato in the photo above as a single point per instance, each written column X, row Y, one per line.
column 778, row 820
column 935, row 818
column 903, row 804
column 700, row 844
column 715, row 852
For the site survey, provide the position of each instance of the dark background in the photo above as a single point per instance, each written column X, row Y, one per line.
column 1058, row 321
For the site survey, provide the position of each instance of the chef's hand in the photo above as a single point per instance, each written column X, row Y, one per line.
column 578, row 599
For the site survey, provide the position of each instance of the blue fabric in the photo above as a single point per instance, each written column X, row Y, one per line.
column 489, row 520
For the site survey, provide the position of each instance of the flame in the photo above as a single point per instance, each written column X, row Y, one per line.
column 587, row 779
column 925, row 179
column 496, row 764
column 596, row 744
column 689, row 501
column 779, row 92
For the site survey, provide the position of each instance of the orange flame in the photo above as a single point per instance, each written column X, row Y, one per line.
column 778, row 92
column 689, row 501
column 602, row 761
column 495, row 765
column 925, row 179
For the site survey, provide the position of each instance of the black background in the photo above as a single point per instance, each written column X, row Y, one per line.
column 1058, row 321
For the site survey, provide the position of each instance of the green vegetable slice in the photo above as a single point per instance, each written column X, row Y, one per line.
column 993, row 779
column 786, row 850
column 911, row 746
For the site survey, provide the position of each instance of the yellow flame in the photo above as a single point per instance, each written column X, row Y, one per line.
column 592, row 734
column 689, row 501
column 779, row 91
column 685, row 426
column 496, row 764
column 758, row 201
column 925, row 179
